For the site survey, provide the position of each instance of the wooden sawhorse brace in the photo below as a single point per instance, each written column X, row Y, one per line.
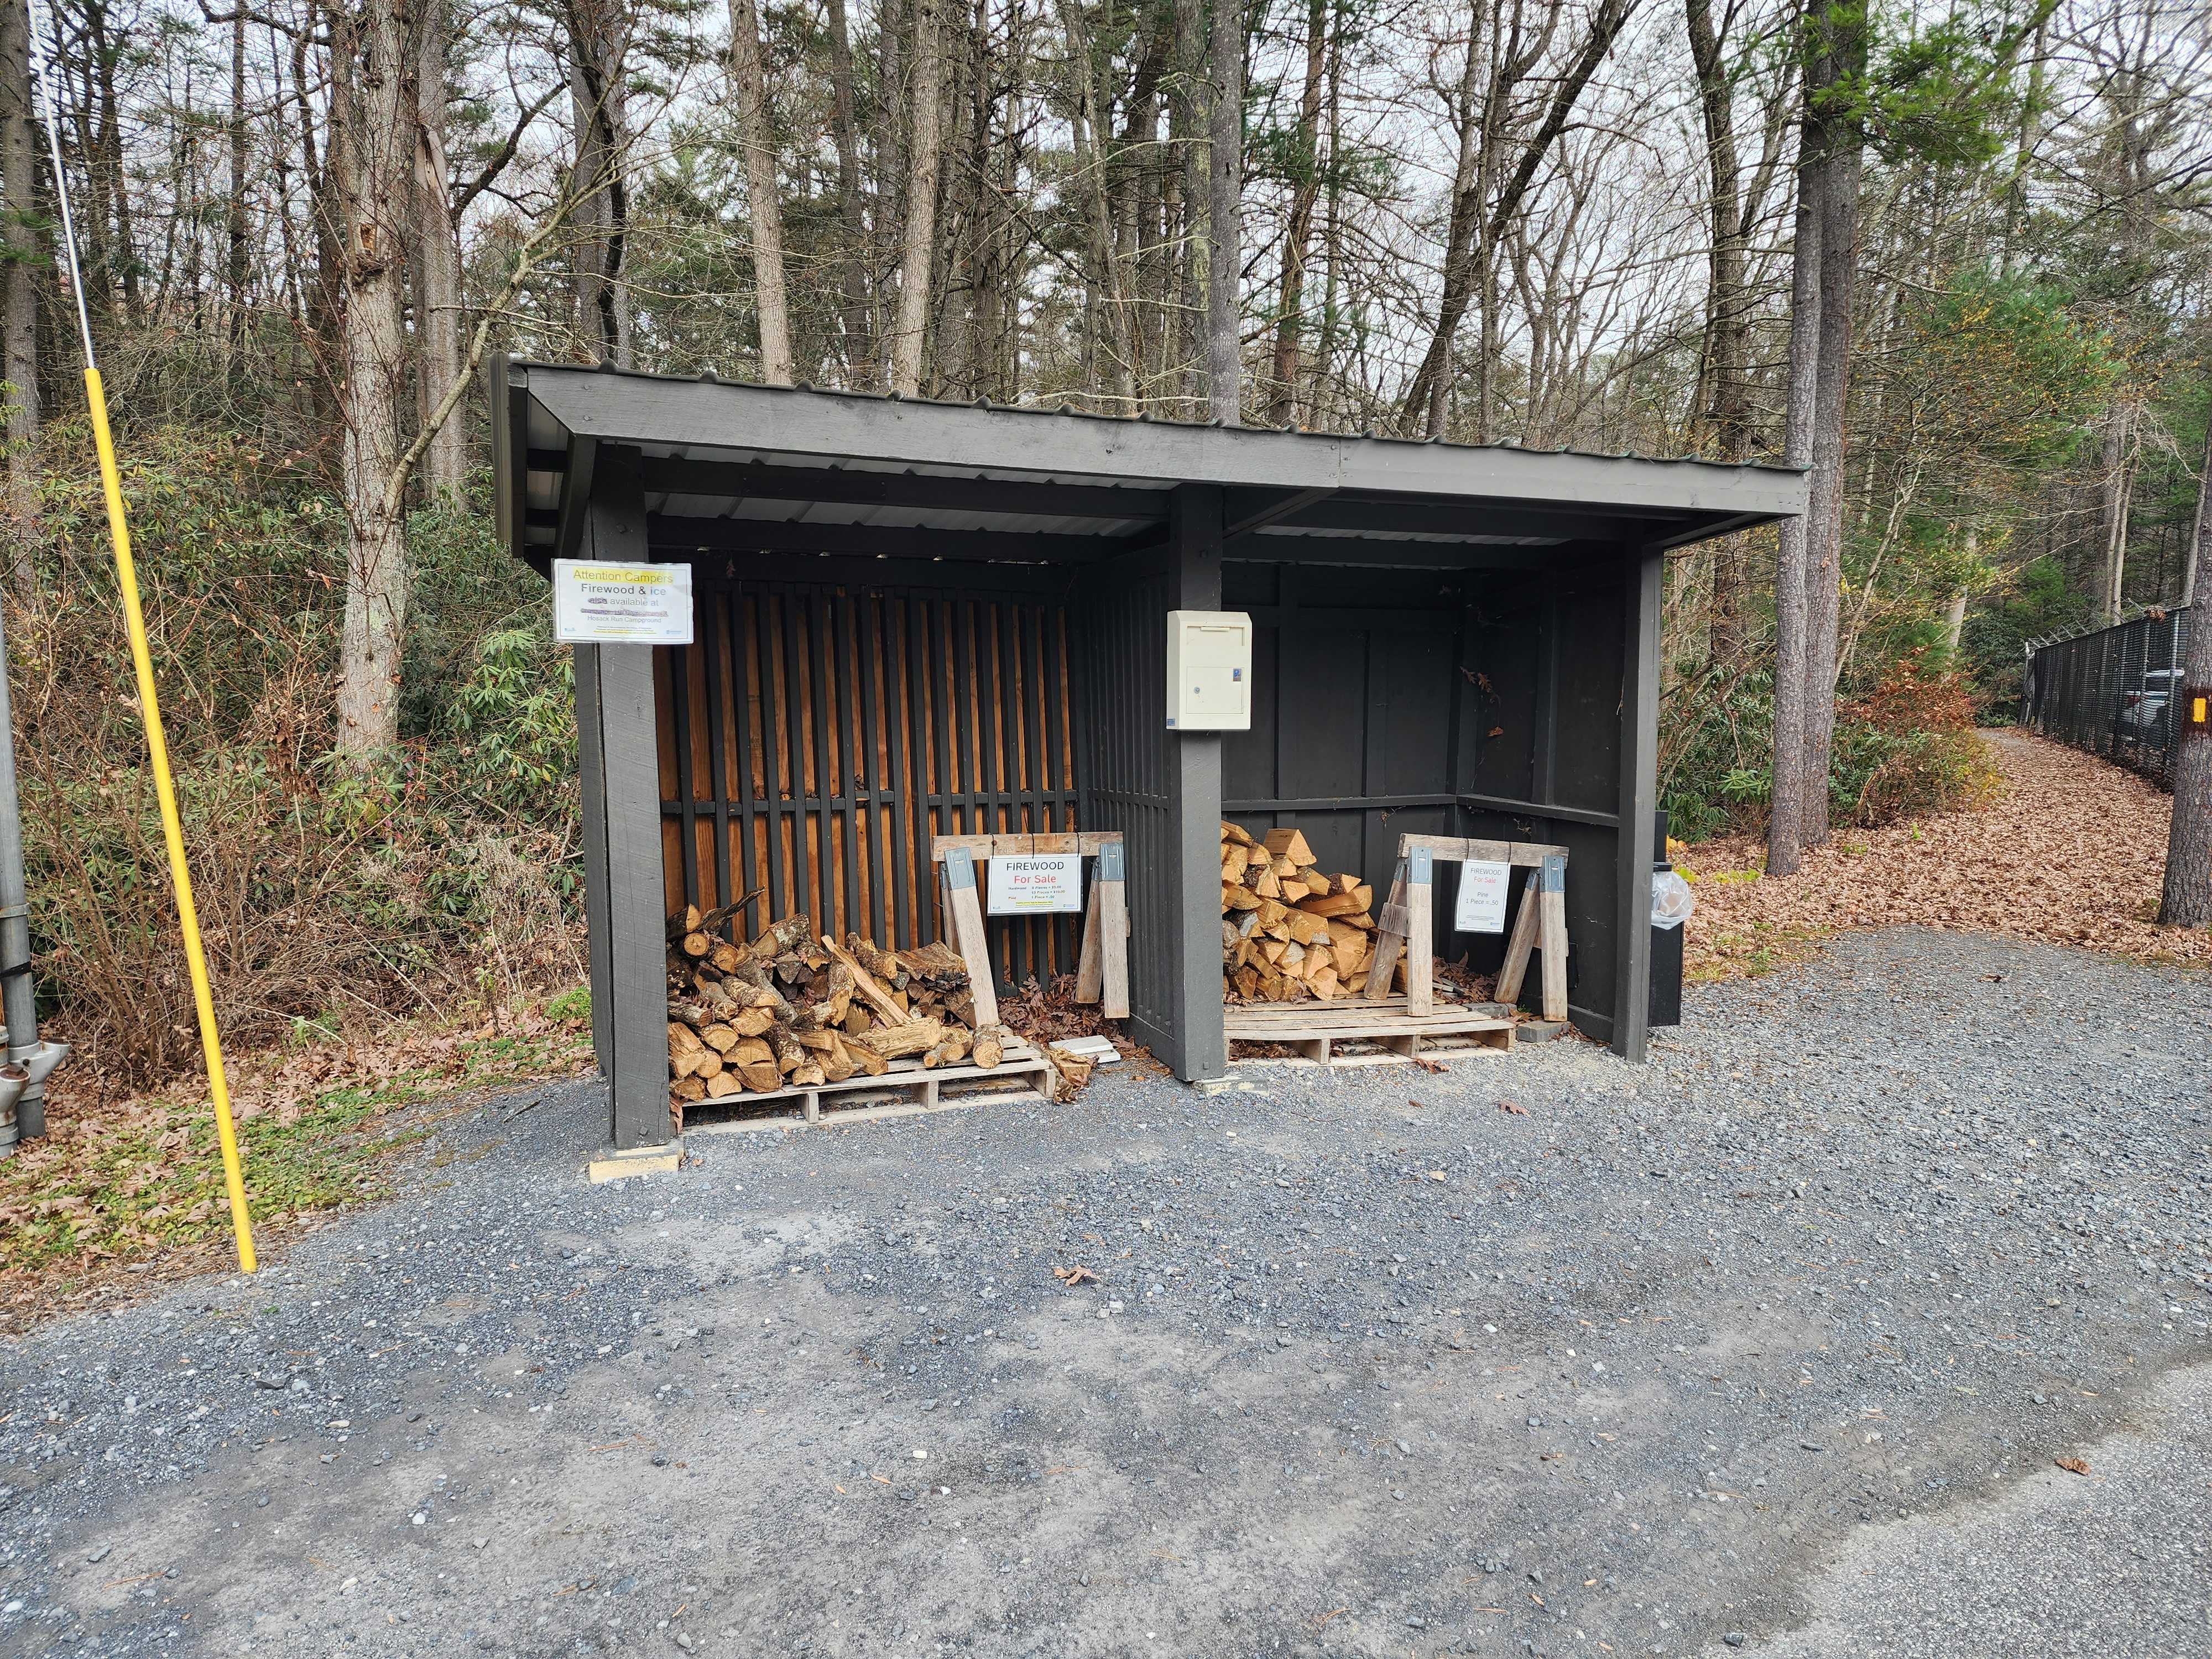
column 1408, row 920
column 1102, row 972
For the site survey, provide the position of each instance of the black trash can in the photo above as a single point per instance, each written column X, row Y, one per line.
column 1666, row 944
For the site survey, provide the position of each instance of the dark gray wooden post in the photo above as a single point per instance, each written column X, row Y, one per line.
column 623, row 748
column 1639, row 789
column 592, row 777
column 1195, row 526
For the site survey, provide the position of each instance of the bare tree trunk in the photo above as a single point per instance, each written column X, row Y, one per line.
column 756, row 131
column 1469, row 262
column 2117, row 486
column 925, row 155
column 1186, row 129
column 1824, row 564
column 1462, row 227
column 1107, row 301
column 105, row 159
column 1954, row 613
column 859, row 329
column 1225, row 223
column 2202, row 539
column 438, row 298
column 1839, row 236
column 2187, row 901
column 373, row 142
column 1298, row 232
column 598, row 40
column 236, row 266
column 1728, row 306
column 1792, row 558
column 19, row 317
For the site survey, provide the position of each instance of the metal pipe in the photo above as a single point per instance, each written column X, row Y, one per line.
column 19, row 1002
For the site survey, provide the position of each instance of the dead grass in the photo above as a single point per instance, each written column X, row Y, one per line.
column 2071, row 850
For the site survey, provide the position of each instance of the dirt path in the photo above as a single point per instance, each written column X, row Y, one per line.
column 2072, row 853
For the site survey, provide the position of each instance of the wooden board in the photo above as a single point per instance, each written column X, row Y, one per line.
column 1354, row 1019
column 1457, row 849
column 1515, row 968
column 1421, row 930
column 1090, row 965
column 963, row 906
column 1395, row 1030
column 1552, row 933
column 1023, row 1075
column 1343, row 1054
column 1389, row 939
column 1089, row 842
column 1113, row 931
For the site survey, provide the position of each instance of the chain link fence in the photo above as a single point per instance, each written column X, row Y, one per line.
column 2112, row 692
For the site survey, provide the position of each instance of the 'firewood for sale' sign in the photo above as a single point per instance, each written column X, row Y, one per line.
column 1035, row 883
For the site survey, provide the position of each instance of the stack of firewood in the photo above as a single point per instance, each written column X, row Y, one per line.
column 793, row 1009
column 1287, row 930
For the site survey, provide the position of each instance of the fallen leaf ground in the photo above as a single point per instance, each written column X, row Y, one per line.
column 2071, row 851
column 125, row 1190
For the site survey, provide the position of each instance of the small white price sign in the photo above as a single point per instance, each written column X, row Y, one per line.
column 1482, row 907
column 595, row 603
column 1035, row 883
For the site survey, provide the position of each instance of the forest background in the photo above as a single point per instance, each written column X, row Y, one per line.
column 1954, row 260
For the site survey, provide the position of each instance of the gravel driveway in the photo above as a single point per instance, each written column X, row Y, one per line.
column 1771, row 1343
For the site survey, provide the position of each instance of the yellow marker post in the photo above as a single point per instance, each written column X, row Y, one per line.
column 150, row 705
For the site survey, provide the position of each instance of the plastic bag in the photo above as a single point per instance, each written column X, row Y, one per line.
column 1672, row 901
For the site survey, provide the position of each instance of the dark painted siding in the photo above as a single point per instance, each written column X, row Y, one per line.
column 1121, row 627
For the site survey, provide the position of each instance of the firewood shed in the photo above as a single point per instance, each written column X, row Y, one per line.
column 917, row 619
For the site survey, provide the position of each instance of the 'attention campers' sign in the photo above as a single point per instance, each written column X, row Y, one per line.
column 600, row 604
column 1035, row 883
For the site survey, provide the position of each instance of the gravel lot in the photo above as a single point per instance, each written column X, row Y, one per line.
column 1771, row 1343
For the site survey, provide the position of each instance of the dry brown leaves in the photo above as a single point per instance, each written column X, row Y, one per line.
column 1040, row 1016
column 2071, row 851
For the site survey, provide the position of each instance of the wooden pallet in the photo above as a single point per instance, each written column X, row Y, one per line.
column 1370, row 1033
column 1023, row 1077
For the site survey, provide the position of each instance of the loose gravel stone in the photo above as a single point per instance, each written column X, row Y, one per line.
column 1901, row 1200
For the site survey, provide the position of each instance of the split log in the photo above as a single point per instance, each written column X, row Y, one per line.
column 1290, row 844
column 780, row 937
column 886, row 969
column 864, row 982
column 722, row 1085
column 989, row 1048
column 915, row 1037
column 784, row 1044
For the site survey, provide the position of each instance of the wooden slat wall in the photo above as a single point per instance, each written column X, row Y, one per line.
column 826, row 731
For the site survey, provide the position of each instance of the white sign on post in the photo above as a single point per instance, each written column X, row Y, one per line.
column 1035, row 883
column 1481, row 897
column 596, row 602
